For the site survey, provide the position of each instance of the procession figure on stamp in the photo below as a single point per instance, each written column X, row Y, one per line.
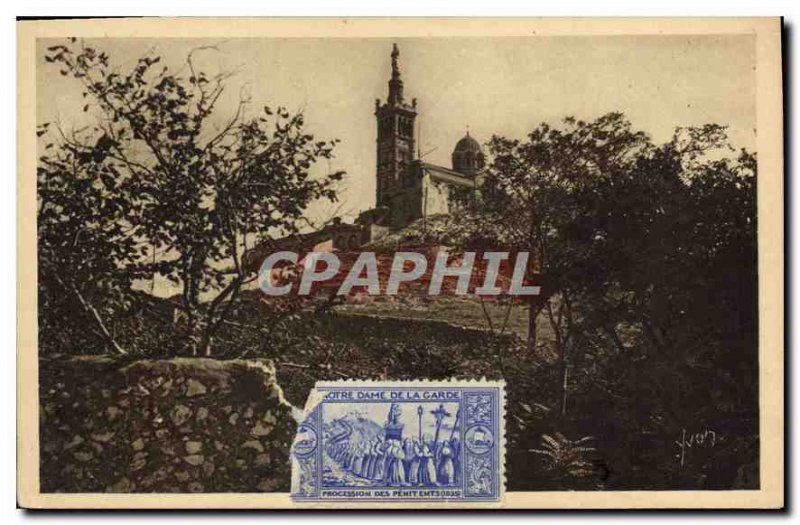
column 392, row 459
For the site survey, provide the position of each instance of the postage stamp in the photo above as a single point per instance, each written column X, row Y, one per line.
column 407, row 441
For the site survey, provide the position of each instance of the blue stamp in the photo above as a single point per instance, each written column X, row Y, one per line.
column 419, row 442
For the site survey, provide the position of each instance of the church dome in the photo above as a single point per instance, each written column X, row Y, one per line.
column 468, row 157
column 467, row 144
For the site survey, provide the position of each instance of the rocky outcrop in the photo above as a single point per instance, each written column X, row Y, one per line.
column 178, row 425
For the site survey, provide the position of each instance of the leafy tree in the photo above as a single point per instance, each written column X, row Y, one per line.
column 669, row 276
column 648, row 255
column 197, row 192
column 85, row 247
column 531, row 190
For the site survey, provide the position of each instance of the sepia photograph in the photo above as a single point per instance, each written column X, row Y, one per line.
column 217, row 222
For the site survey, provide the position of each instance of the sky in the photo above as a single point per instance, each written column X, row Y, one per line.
column 501, row 85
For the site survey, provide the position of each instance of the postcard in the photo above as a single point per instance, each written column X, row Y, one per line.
column 400, row 263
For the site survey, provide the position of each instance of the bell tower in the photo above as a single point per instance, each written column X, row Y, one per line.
column 395, row 144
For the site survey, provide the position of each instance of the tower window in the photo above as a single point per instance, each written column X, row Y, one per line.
column 386, row 127
column 406, row 127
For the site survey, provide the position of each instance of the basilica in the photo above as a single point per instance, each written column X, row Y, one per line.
column 407, row 187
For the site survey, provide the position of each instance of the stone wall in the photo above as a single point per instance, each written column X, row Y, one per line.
column 178, row 425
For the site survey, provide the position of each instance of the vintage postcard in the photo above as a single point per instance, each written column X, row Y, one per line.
column 400, row 263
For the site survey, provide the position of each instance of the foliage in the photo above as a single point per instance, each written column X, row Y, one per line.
column 565, row 458
column 532, row 185
column 85, row 245
column 650, row 250
column 190, row 194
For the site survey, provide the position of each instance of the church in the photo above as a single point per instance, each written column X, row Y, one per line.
column 408, row 188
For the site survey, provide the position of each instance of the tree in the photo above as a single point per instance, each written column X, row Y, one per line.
column 197, row 192
column 85, row 247
column 531, row 190
column 673, row 264
column 633, row 239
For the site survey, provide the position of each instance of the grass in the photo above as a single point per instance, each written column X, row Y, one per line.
column 464, row 312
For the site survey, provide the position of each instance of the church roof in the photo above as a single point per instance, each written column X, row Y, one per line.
column 447, row 175
column 467, row 144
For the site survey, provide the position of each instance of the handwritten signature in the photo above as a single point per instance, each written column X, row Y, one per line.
column 706, row 438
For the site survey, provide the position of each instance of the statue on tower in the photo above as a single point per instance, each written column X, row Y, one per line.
column 395, row 83
column 393, row 428
column 395, row 65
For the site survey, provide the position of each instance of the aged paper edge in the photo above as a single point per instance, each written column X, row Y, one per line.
column 770, row 237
